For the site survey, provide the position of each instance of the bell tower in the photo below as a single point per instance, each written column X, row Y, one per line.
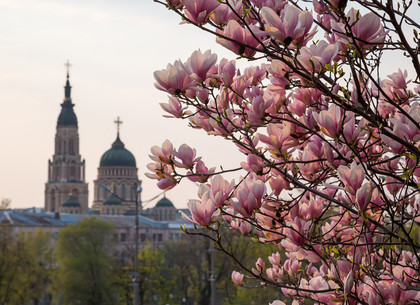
column 66, row 169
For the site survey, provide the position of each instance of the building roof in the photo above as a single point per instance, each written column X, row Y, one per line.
column 117, row 156
column 31, row 219
column 165, row 203
column 67, row 116
column 71, row 202
column 113, row 200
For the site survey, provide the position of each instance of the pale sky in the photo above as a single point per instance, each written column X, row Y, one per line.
column 114, row 48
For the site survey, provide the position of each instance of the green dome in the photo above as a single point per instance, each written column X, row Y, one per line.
column 164, row 203
column 113, row 200
column 71, row 202
column 118, row 156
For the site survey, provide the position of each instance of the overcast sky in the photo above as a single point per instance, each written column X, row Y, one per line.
column 114, row 48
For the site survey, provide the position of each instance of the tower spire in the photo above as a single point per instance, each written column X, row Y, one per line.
column 67, row 88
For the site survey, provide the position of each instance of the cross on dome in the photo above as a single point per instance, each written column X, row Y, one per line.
column 118, row 122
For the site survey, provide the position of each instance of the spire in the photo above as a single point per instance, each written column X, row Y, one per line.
column 67, row 88
column 67, row 116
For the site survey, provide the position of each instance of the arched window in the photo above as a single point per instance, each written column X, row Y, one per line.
column 98, row 192
column 123, row 191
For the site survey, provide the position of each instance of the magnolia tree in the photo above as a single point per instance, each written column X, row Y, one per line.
column 331, row 171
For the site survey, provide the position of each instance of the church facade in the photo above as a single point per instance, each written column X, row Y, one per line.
column 66, row 188
column 116, row 188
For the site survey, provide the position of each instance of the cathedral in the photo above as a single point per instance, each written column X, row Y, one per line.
column 117, row 183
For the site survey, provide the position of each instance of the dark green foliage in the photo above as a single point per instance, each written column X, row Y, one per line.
column 86, row 266
column 25, row 266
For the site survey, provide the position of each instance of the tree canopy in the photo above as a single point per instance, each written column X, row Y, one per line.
column 329, row 136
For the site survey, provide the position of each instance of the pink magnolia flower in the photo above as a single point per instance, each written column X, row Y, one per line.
column 187, row 156
column 364, row 196
column 199, row 64
column 227, row 71
column 245, row 227
column 292, row 26
column 202, row 173
column 330, row 120
column 256, row 111
column 392, row 145
column 199, row 10
column 223, row 13
column 348, row 284
column 237, row 277
column 174, row 107
column 279, row 137
column 174, row 79
column 278, row 183
column 162, row 154
column 317, row 56
column 241, row 37
column 260, row 266
column 276, row 5
column 202, row 211
column 351, row 132
column 249, row 195
column 368, row 30
column 275, row 259
column 175, row 3
column 221, row 189
column 254, row 164
column 351, row 177
column 166, row 183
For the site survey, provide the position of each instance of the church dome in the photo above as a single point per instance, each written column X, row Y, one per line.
column 71, row 202
column 164, row 203
column 113, row 200
column 118, row 155
column 67, row 116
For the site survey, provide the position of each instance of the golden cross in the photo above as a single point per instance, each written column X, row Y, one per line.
column 68, row 65
column 118, row 122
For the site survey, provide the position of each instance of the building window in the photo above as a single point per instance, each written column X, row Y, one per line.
column 98, row 192
column 160, row 237
column 123, row 237
column 123, row 191
column 143, row 237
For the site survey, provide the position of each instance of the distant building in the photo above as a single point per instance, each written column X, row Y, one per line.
column 115, row 189
column 66, row 170
column 164, row 210
column 150, row 231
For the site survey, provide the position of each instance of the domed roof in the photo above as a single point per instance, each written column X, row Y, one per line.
column 67, row 116
column 113, row 200
column 118, row 156
column 71, row 202
column 164, row 203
